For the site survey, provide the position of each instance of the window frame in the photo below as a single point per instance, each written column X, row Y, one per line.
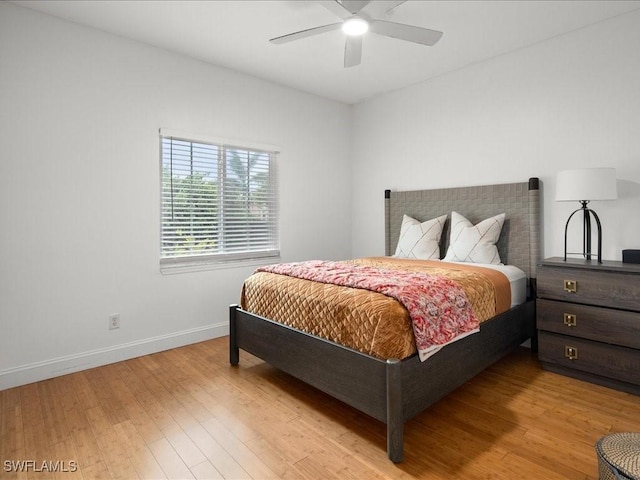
column 210, row 260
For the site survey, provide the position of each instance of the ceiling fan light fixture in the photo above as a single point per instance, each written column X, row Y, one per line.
column 355, row 26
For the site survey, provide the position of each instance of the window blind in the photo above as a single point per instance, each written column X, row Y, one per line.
column 219, row 202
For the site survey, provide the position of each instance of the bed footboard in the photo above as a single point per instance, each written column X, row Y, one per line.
column 366, row 383
column 391, row 391
column 350, row 376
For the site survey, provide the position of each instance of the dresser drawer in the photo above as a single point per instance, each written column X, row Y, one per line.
column 591, row 287
column 594, row 323
column 619, row 363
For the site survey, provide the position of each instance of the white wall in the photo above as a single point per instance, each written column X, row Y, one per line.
column 79, row 191
column 570, row 102
column 79, row 179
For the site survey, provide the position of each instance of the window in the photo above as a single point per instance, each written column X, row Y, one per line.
column 219, row 202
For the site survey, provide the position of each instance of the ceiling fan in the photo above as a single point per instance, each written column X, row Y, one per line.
column 358, row 17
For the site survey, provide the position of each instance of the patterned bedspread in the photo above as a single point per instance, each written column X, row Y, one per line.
column 382, row 306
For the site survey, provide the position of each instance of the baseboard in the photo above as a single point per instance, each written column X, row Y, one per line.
column 34, row 372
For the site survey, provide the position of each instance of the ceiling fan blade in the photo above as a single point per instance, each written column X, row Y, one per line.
column 402, row 31
column 353, row 6
column 306, row 33
column 337, row 8
column 352, row 51
column 379, row 7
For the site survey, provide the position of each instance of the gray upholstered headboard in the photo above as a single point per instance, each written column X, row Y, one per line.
column 519, row 242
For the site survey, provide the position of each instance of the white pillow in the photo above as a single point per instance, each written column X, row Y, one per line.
column 474, row 243
column 420, row 240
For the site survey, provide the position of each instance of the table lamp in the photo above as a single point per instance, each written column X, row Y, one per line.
column 585, row 185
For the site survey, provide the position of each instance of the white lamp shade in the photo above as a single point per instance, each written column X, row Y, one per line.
column 586, row 184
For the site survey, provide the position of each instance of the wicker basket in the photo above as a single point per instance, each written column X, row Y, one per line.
column 619, row 456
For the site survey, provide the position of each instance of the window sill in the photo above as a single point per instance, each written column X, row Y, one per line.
column 204, row 265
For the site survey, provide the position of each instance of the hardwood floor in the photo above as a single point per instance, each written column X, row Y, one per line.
column 186, row 413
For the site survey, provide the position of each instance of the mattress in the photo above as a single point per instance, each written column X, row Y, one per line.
column 367, row 321
column 517, row 280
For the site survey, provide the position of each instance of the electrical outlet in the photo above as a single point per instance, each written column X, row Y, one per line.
column 114, row 321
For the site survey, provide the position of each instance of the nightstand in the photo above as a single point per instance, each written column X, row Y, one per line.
column 588, row 320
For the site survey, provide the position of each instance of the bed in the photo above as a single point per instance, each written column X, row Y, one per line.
column 394, row 390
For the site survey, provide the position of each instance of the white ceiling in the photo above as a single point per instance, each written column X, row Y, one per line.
column 235, row 34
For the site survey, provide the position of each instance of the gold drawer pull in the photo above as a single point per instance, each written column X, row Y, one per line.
column 570, row 320
column 570, row 286
column 571, row 353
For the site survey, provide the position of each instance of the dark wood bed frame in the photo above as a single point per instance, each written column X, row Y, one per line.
column 394, row 391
